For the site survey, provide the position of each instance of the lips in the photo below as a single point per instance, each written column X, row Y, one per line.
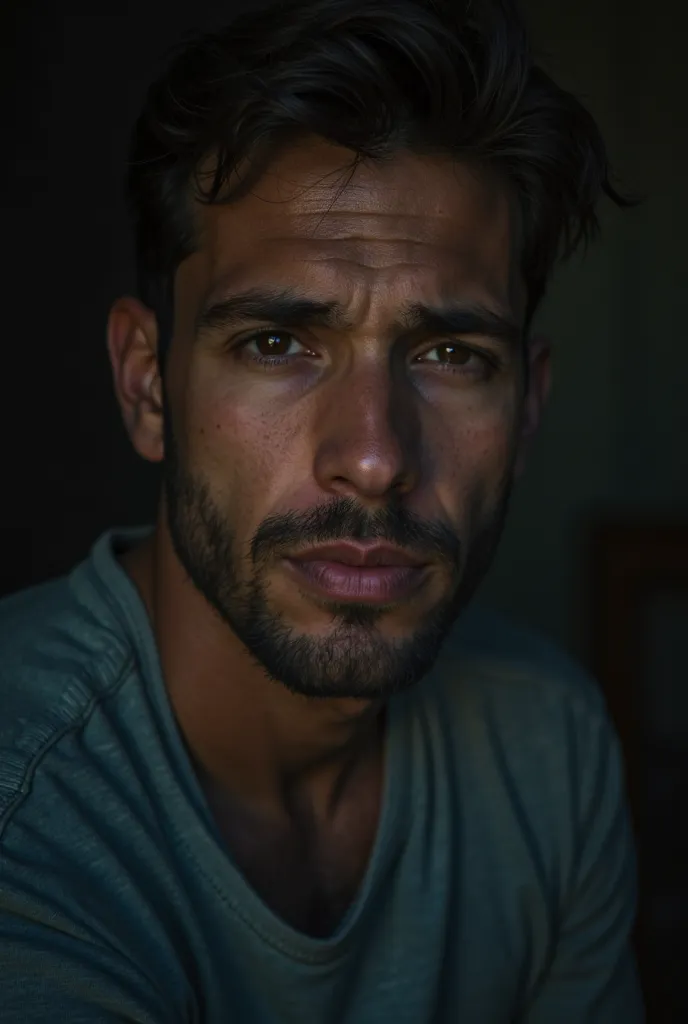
column 364, row 573
column 360, row 555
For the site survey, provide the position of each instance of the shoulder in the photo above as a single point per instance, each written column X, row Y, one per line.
column 61, row 655
column 530, row 745
column 87, row 873
column 519, row 710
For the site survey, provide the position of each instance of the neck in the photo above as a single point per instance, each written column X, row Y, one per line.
column 249, row 738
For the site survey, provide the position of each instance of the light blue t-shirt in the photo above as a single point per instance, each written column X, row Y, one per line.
column 500, row 888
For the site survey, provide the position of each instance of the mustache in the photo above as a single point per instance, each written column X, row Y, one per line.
column 345, row 519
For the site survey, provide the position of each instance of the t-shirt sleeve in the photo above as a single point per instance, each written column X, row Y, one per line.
column 49, row 972
column 592, row 977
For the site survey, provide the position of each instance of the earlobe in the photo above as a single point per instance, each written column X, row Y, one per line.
column 133, row 350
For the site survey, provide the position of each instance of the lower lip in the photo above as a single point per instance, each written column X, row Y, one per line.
column 377, row 585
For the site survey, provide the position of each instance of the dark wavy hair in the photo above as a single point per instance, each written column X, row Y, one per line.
column 450, row 77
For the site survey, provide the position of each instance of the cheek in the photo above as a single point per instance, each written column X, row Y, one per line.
column 248, row 456
column 474, row 462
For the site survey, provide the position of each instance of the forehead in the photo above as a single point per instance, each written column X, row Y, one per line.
column 412, row 223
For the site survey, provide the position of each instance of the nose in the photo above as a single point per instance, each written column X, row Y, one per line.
column 368, row 436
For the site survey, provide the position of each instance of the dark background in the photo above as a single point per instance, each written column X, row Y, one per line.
column 614, row 447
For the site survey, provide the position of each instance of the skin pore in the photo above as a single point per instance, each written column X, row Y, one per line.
column 386, row 401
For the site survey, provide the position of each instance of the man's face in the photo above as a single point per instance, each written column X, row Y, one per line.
column 344, row 393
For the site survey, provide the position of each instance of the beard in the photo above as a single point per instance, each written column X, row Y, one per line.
column 354, row 659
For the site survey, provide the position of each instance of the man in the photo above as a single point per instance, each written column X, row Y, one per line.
column 252, row 767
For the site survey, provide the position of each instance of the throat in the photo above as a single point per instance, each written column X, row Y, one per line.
column 308, row 874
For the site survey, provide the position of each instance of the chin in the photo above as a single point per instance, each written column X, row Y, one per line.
column 388, row 622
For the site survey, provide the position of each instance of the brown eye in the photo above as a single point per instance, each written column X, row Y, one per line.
column 456, row 355
column 274, row 344
column 460, row 359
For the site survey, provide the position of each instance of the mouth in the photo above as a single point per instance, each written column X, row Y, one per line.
column 370, row 573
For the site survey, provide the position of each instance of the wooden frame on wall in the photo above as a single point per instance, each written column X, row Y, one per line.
column 635, row 566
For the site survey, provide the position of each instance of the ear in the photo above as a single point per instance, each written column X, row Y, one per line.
column 539, row 382
column 133, row 347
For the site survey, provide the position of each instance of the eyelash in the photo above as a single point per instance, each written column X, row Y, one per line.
column 269, row 362
column 265, row 361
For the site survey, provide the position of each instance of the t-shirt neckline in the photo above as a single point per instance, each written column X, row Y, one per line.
column 192, row 821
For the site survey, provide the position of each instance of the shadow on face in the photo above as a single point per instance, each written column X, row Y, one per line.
column 346, row 369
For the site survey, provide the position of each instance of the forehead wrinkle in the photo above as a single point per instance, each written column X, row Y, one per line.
column 384, row 194
column 457, row 244
column 385, row 198
column 464, row 274
column 363, row 288
column 385, row 282
column 349, row 265
column 372, row 252
column 373, row 225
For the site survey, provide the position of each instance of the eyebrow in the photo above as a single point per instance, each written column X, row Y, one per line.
column 288, row 308
column 283, row 307
column 460, row 318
